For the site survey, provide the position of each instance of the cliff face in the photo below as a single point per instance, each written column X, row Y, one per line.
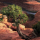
column 30, row 5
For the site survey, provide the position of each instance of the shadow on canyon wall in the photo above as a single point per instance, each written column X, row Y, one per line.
column 29, row 24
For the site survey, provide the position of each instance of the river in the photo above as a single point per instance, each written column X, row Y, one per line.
column 28, row 12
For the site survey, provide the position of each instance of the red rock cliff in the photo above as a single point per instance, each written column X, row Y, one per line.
column 30, row 5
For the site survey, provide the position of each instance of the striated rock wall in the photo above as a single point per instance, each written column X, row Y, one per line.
column 30, row 5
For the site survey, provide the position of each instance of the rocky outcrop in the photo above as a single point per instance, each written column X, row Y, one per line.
column 22, row 27
column 9, row 34
column 3, row 25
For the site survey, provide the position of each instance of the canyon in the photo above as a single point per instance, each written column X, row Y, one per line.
column 31, row 5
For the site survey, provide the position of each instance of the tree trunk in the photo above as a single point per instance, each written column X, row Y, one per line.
column 21, row 34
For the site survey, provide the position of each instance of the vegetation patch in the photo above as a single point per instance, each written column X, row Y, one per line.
column 37, row 27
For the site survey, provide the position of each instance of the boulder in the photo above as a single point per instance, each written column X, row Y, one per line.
column 11, row 35
column 22, row 27
column 3, row 25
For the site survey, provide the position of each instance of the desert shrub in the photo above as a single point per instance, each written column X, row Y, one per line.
column 21, row 18
column 11, row 9
column 15, row 12
column 37, row 27
column 8, row 10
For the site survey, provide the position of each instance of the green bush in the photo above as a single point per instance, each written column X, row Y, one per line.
column 22, row 18
column 15, row 12
column 37, row 27
column 10, row 9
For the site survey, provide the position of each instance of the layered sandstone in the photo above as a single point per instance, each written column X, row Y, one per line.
column 30, row 5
